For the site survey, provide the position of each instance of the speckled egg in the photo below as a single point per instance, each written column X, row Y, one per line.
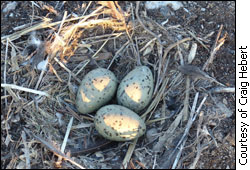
column 118, row 123
column 96, row 89
column 136, row 88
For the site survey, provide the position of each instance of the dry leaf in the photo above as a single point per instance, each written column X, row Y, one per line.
column 149, row 49
column 192, row 53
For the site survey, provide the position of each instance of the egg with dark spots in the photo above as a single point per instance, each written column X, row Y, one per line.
column 136, row 89
column 96, row 89
column 118, row 123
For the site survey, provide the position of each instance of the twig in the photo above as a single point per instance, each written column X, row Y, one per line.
column 46, row 24
column 21, row 27
column 3, row 97
column 32, row 17
column 82, row 125
column 199, row 149
column 53, row 149
column 50, row 9
column 202, row 102
column 6, row 122
column 174, row 45
column 148, row 43
column 85, row 62
column 63, row 19
column 215, row 48
column 36, row 4
column 201, row 116
column 94, row 56
column 14, row 96
column 66, row 138
column 159, row 25
column 179, row 154
column 154, row 161
column 133, row 45
column 222, row 90
column 102, row 36
column 55, row 72
column 188, row 126
column 184, row 136
column 67, row 135
column 4, row 72
column 87, row 8
column 192, row 166
column 196, row 73
column 75, row 115
column 129, row 154
column 157, row 99
column 40, row 78
column 65, row 68
column 159, row 119
column 192, row 34
column 166, row 51
column 137, row 52
column 13, row 86
column 186, row 100
column 26, row 150
column 117, row 53
column 139, row 19
column 169, row 132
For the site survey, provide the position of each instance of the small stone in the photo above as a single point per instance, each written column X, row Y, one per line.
column 225, row 101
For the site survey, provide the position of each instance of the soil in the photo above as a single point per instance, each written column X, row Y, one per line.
column 202, row 18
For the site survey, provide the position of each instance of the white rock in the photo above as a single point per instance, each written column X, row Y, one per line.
column 43, row 65
column 157, row 4
column 203, row 9
column 10, row 6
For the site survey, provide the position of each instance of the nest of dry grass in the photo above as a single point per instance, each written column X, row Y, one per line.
column 51, row 133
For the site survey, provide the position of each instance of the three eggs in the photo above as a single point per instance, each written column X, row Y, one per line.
column 116, row 122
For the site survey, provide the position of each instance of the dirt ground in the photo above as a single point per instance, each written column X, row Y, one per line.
column 209, row 143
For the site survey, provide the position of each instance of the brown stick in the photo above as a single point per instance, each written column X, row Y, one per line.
column 215, row 48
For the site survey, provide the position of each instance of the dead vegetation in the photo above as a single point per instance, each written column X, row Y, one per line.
column 41, row 127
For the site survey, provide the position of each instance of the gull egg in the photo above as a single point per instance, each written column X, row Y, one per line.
column 96, row 89
column 136, row 89
column 118, row 123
